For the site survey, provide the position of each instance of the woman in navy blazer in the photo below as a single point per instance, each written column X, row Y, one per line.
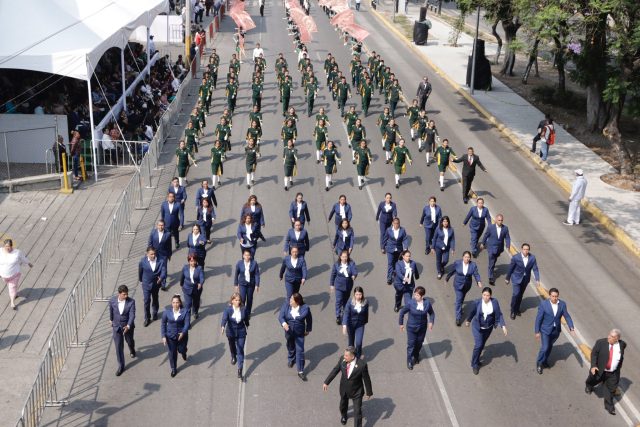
column 356, row 316
column 235, row 322
column 294, row 272
column 298, row 210
column 444, row 242
column 406, row 273
column 253, row 208
column 341, row 210
column 421, row 317
column 174, row 330
column 343, row 274
column 246, row 287
column 197, row 244
column 485, row 316
column 296, row 237
column 344, row 238
column 465, row 271
column 205, row 193
column 479, row 215
column 191, row 282
column 387, row 211
column 430, row 219
column 295, row 318
column 248, row 235
column 205, row 218
column 394, row 242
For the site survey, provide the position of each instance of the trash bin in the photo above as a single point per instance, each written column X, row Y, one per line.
column 421, row 32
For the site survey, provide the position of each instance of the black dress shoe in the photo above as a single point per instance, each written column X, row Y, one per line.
column 458, row 322
column 119, row 372
column 518, row 313
column 612, row 410
column 512, row 316
column 155, row 316
column 396, row 309
column 545, row 365
column 416, row 360
column 164, row 289
column 233, row 360
column 439, row 276
column 475, row 370
column 146, row 322
column 338, row 321
column 290, row 364
column 588, row 389
column 302, row 376
column 184, row 356
column 388, row 282
column 410, row 366
column 343, row 420
column 246, row 322
column 539, row 369
column 240, row 373
column 465, row 200
column 173, row 373
column 132, row 354
column 492, row 282
column 196, row 316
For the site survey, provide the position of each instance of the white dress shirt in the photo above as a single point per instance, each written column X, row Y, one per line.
column 420, row 306
column 171, row 207
column 294, row 262
column 344, row 235
column 387, row 207
column 465, row 268
column 342, row 214
column 253, row 208
column 487, row 309
column 191, row 271
column 525, row 260
column 344, row 269
column 350, row 367
column 297, row 233
column 446, row 236
column 160, row 234
column 176, row 314
column 295, row 312
column 247, row 272
column 358, row 307
column 299, row 209
column 480, row 212
column 407, row 272
column 153, row 264
column 121, row 304
column 433, row 213
column 10, row 262
column 498, row 230
column 237, row 316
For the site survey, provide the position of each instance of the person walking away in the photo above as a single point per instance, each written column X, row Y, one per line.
column 10, row 261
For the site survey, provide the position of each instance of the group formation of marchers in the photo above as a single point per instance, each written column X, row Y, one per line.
column 351, row 307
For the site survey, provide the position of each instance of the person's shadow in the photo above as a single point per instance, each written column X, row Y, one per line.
column 377, row 409
column 319, row 353
column 260, row 355
column 495, row 351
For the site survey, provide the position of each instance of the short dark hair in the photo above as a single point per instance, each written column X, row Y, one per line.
column 420, row 290
column 297, row 298
column 552, row 290
column 123, row 288
column 487, row 289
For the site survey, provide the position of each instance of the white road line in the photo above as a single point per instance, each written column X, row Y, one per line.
column 240, row 411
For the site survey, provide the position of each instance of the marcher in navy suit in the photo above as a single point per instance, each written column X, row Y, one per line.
column 191, row 282
column 295, row 318
column 174, row 330
column 246, row 279
column 344, row 238
column 343, row 275
column 248, row 235
column 205, row 193
column 495, row 239
column 235, row 322
column 421, row 317
column 465, row 271
column 122, row 313
column 356, row 316
column 294, row 272
column 197, row 244
column 253, row 208
column 180, row 194
column 206, row 216
column 298, row 210
column 478, row 216
column 430, row 219
column 298, row 237
column 406, row 273
column 549, row 324
column 160, row 240
column 443, row 242
column 520, row 268
column 152, row 274
column 387, row 211
column 485, row 316
column 341, row 210
column 393, row 243
column 169, row 213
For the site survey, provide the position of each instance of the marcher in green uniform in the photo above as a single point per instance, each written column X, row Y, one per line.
column 311, row 90
column 223, row 133
column 389, row 77
column 420, row 127
column 217, row 158
column 231, row 93
column 442, row 155
column 391, row 135
column 280, row 62
column 413, row 112
column 362, row 161
column 322, row 116
column 289, row 132
column 366, row 89
column 290, row 160
column 214, row 63
column 320, row 135
column 256, row 93
column 331, row 81
column 204, row 92
column 201, row 118
column 251, row 153
column 256, row 116
column 191, row 138
column 355, row 67
column 183, row 161
column 394, row 96
column 431, row 139
column 327, row 63
column 330, row 158
column 261, row 62
column 401, row 156
column 343, row 92
column 293, row 116
column 357, row 134
column 195, row 120
column 254, row 132
column 235, row 63
column 380, row 75
column 383, row 121
column 350, row 119
column 285, row 94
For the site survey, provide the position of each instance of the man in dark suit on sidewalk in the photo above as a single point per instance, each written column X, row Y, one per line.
column 606, row 362
column 354, row 384
column 469, row 163
column 122, row 314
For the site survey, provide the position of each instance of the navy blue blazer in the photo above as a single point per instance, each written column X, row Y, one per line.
column 300, row 324
column 208, row 194
column 339, row 280
column 391, row 244
column 386, row 217
column 341, row 243
column 181, row 193
column 425, row 219
column 233, row 328
column 242, row 234
column 495, row 243
column 171, row 219
column 199, row 247
column 304, row 212
column 335, row 210
column 170, row 327
column 128, row 316
column 292, row 274
column 417, row 319
column 493, row 320
column 477, row 220
column 302, row 243
column 163, row 247
column 547, row 323
column 205, row 219
column 521, row 274
column 190, row 287
column 352, row 318
column 257, row 216
column 437, row 241
column 464, row 280
column 254, row 274
column 148, row 276
column 400, row 270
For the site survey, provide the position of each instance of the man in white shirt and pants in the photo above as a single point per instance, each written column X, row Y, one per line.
column 577, row 194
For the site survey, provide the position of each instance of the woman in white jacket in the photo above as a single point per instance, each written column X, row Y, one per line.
column 10, row 261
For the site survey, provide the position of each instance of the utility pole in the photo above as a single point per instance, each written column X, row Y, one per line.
column 187, row 32
column 473, row 56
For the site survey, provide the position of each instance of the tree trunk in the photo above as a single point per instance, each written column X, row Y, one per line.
column 612, row 132
column 560, row 61
column 596, row 108
column 533, row 54
column 510, row 28
column 595, row 69
column 499, row 39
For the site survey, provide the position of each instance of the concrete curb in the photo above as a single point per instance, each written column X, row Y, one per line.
column 608, row 223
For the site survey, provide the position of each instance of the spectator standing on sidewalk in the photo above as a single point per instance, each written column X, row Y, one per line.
column 358, row 5
column 541, row 126
column 577, row 194
column 10, row 261
column 76, row 148
column 547, row 138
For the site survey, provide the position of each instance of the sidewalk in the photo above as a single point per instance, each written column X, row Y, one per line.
column 616, row 209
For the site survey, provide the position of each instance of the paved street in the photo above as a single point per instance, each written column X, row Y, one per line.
column 587, row 264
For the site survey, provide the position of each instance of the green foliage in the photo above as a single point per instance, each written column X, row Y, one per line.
column 456, row 30
column 569, row 100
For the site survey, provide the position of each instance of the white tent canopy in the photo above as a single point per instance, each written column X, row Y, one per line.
column 68, row 37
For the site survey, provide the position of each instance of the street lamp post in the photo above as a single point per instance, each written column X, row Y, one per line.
column 473, row 55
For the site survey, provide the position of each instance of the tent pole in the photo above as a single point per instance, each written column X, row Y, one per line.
column 168, row 32
column 148, row 40
column 124, row 87
column 93, row 139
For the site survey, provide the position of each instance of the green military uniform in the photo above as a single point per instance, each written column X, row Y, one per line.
column 358, row 133
column 229, row 121
column 383, row 121
column 381, row 76
column 205, row 95
column 236, row 67
column 223, row 133
column 363, row 160
column 322, row 117
column 255, row 134
column 355, row 67
column 257, row 117
column 330, row 158
column 401, row 156
column 366, row 90
column 442, row 156
column 350, row 120
column 217, row 158
column 391, row 134
column 311, row 90
column 327, row 65
column 262, row 63
column 394, row 97
column 213, row 69
column 413, row 113
column 193, row 118
column 201, row 117
column 332, row 78
column 231, row 93
column 290, row 159
column 288, row 133
column 251, row 158
column 320, row 135
column 182, row 161
column 256, row 94
column 190, row 136
column 343, row 91
column 285, row 95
